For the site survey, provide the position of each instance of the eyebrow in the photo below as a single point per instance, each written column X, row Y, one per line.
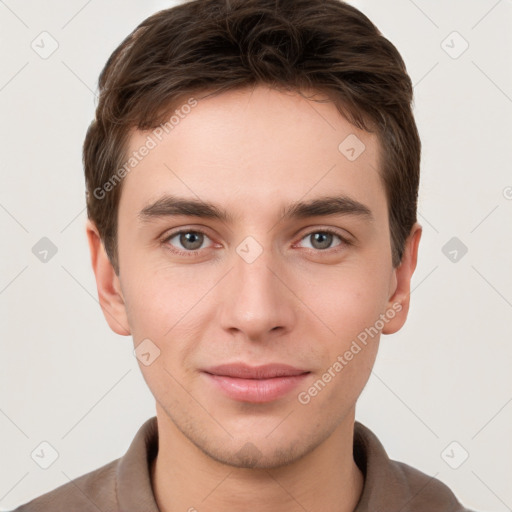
column 170, row 205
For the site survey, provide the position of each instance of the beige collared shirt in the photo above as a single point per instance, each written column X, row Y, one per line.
column 124, row 485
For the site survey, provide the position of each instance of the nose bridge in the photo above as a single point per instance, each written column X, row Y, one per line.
column 258, row 302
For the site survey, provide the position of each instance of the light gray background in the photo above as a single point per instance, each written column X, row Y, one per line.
column 68, row 380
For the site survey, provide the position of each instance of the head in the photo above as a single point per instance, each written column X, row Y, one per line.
column 252, row 177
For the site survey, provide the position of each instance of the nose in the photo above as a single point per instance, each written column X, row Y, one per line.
column 257, row 300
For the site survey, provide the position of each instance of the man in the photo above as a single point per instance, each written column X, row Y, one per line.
column 252, row 177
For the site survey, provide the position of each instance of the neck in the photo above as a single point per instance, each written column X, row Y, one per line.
column 186, row 479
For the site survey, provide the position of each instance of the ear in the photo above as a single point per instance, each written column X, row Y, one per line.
column 108, row 284
column 401, row 291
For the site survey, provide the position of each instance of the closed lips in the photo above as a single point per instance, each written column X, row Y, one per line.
column 244, row 371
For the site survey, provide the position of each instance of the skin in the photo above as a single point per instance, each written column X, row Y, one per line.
column 252, row 152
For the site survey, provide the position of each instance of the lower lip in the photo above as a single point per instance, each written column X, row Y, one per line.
column 256, row 390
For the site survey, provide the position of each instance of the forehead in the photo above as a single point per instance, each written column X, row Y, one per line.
column 251, row 147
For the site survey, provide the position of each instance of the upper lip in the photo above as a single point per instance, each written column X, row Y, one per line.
column 245, row 371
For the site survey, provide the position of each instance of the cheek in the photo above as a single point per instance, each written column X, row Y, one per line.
column 154, row 302
column 158, row 310
column 349, row 307
column 169, row 305
column 346, row 301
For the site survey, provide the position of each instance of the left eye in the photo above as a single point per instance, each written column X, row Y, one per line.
column 321, row 240
column 188, row 240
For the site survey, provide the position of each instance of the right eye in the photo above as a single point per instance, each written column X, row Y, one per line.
column 187, row 241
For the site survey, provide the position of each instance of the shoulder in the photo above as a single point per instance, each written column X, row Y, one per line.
column 88, row 493
column 426, row 493
column 122, row 484
column 394, row 485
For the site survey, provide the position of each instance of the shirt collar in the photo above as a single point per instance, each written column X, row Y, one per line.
column 388, row 485
column 133, row 480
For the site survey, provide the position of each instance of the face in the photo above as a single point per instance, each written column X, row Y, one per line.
column 274, row 249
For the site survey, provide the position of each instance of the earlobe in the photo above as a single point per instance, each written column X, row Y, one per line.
column 107, row 282
column 399, row 301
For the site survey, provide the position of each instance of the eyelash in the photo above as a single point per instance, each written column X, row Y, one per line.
column 344, row 241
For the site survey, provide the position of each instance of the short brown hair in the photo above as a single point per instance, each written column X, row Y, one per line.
column 220, row 45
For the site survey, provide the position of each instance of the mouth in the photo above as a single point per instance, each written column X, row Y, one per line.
column 255, row 384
